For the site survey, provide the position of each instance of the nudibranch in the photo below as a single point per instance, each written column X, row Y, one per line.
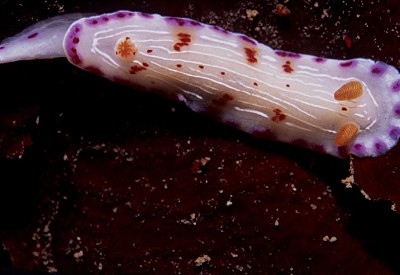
column 338, row 107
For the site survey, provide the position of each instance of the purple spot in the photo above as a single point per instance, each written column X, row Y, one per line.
column 75, row 40
column 2, row 47
column 320, row 60
column 195, row 23
column 94, row 22
column 146, row 15
column 105, row 18
column 380, row 146
column 77, row 29
column 358, row 149
column 174, row 20
column 348, row 64
column 396, row 86
column 287, row 54
column 379, row 68
column 248, row 40
column 394, row 133
column 262, row 132
column 121, row 15
column 396, row 109
column 32, row 35
column 219, row 29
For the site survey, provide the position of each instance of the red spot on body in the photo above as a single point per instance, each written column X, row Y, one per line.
column 32, row 35
column 94, row 70
column 319, row 59
column 75, row 40
column 287, row 85
column 201, row 66
column 376, row 71
column 279, row 116
column 145, row 64
column 180, row 21
column 287, row 67
column 75, row 59
column 346, row 64
column 121, row 15
column 287, row 54
column 184, row 39
column 255, row 84
column 222, row 73
column 94, row 22
column 149, row 51
column 251, row 54
column 344, row 109
column 222, row 100
column 137, row 68
column 105, row 18
column 179, row 65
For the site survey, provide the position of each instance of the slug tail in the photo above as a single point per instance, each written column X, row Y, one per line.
column 43, row 40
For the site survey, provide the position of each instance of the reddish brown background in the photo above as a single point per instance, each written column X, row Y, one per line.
column 98, row 178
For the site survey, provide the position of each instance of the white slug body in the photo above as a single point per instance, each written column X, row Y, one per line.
column 338, row 107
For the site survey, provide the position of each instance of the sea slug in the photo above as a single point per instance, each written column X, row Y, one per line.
column 338, row 107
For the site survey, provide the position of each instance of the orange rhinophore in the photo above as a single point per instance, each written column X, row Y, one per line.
column 349, row 91
column 346, row 134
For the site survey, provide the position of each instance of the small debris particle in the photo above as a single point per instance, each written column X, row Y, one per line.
column 229, row 203
column 234, row 255
column 332, row 239
column 129, row 159
column 348, row 181
column 203, row 259
column 281, row 10
column 200, row 166
column 192, row 221
column 366, row 196
column 251, row 14
column 100, row 266
column 78, row 254
column 276, row 222
column 324, row 14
